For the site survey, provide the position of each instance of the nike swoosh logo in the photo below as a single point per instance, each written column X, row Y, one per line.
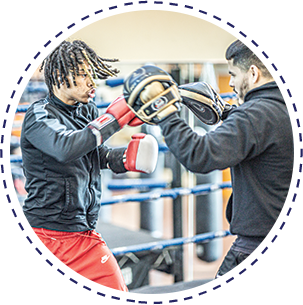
column 104, row 259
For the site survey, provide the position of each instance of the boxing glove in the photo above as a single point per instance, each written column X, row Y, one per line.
column 116, row 116
column 141, row 154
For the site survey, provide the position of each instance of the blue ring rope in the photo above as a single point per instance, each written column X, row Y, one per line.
column 154, row 246
column 171, row 193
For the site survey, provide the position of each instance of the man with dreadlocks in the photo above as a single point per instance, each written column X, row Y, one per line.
column 63, row 151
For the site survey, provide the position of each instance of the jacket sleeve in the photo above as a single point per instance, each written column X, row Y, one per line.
column 224, row 147
column 110, row 158
column 45, row 132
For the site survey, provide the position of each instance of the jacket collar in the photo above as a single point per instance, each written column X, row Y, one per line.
column 61, row 105
column 268, row 90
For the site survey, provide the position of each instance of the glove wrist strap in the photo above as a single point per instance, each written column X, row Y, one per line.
column 104, row 127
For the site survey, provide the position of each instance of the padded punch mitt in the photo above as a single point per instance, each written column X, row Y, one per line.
column 203, row 101
column 151, row 93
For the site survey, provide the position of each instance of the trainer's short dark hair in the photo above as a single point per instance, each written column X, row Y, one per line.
column 243, row 58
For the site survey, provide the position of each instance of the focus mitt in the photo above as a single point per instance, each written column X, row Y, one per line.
column 203, row 101
column 152, row 94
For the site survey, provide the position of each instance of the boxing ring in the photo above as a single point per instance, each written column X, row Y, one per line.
column 138, row 252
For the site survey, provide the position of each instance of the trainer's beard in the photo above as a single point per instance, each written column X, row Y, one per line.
column 243, row 90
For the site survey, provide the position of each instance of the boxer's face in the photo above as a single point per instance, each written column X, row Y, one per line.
column 239, row 81
column 83, row 92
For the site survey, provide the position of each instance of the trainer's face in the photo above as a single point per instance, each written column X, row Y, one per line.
column 239, row 81
column 83, row 92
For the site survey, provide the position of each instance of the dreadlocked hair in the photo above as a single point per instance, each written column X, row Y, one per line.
column 66, row 59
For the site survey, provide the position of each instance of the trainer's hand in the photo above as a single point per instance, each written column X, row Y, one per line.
column 116, row 116
column 141, row 154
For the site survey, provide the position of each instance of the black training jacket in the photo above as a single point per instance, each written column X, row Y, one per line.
column 256, row 142
column 62, row 165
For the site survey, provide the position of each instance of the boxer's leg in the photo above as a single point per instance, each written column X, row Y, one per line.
column 87, row 254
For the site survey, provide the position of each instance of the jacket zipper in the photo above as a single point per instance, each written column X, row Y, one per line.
column 91, row 192
column 91, row 201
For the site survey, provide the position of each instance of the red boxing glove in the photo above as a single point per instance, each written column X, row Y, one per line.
column 122, row 113
column 141, row 154
column 116, row 116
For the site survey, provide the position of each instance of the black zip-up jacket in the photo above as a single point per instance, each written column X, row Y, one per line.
column 256, row 143
column 62, row 165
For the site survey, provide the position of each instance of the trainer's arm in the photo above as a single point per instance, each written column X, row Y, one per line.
column 224, row 147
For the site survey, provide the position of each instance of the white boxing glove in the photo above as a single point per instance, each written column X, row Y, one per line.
column 141, row 154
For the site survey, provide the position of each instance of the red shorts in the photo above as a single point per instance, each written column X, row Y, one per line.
column 86, row 253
